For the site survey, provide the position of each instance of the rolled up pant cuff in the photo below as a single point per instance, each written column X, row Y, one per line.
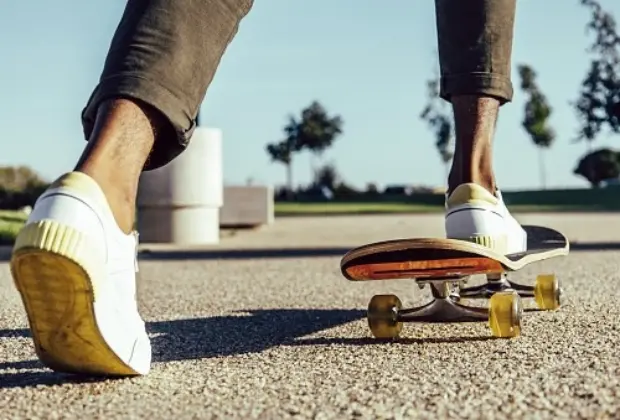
column 138, row 88
column 480, row 84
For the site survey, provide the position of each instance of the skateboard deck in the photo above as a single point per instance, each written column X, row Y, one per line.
column 444, row 259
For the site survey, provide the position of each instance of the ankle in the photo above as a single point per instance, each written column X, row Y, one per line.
column 118, row 147
column 474, row 118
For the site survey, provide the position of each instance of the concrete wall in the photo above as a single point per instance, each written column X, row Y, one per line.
column 247, row 206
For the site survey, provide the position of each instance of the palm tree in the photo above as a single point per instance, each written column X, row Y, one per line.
column 283, row 151
column 537, row 112
column 440, row 122
column 318, row 130
column 315, row 131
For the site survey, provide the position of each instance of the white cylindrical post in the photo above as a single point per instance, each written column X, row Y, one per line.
column 180, row 202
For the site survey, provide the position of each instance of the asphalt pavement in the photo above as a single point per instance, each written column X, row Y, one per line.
column 264, row 326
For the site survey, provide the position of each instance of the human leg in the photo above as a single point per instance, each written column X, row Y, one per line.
column 475, row 48
column 74, row 262
column 163, row 57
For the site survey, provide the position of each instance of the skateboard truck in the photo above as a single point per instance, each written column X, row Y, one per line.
column 500, row 282
column 443, row 308
column 504, row 313
column 386, row 314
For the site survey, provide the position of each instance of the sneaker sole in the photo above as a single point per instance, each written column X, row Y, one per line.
column 55, row 275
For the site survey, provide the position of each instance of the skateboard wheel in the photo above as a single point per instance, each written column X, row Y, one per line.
column 505, row 313
column 547, row 292
column 383, row 316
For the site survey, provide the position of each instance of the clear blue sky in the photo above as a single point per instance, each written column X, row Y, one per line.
column 360, row 58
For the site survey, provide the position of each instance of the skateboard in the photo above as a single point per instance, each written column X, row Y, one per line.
column 446, row 265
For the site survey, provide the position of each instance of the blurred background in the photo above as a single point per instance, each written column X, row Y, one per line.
column 367, row 72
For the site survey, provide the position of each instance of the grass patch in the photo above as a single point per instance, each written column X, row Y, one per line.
column 10, row 223
column 317, row 209
column 334, row 209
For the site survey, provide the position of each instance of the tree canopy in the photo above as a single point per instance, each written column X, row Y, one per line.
column 315, row 130
column 598, row 104
column 598, row 166
column 537, row 109
column 439, row 120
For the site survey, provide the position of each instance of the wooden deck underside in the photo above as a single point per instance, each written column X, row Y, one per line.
column 433, row 258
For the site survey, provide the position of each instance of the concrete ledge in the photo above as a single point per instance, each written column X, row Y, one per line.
column 184, row 226
column 247, row 206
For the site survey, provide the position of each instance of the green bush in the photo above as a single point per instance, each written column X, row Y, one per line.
column 19, row 186
column 14, row 200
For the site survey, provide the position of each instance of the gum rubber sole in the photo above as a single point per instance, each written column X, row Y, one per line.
column 58, row 296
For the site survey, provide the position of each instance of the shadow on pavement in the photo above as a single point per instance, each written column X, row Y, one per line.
column 594, row 246
column 250, row 331
column 227, row 254
column 364, row 341
column 39, row 375
column 309, row 252
column 242, row 254
column 248, row 254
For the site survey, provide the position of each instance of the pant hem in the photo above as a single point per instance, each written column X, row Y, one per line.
column 496, row 86
column 131, row 86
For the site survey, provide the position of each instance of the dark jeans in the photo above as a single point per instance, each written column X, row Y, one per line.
column 165, row 53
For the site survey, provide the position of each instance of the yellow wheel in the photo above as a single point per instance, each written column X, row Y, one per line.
column 547, row 292
column 505, row 313
column 383, row 316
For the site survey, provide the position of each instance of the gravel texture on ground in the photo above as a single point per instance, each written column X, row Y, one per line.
column 265, row 326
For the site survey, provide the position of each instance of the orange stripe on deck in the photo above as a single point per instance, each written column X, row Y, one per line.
column 421, row 269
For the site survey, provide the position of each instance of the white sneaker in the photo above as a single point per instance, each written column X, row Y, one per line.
column 474, row 214
column 76, row 273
